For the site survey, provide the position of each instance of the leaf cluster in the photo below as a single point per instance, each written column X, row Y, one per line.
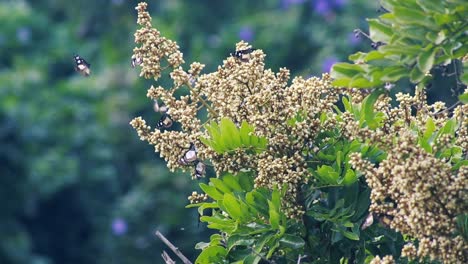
column 411, row 38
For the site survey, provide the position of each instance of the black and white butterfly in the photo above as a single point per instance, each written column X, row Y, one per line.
column 243, row 55
column 200, row 169
column 165, row 121
column 136, row 61
column 189, row 156
column 81, row 65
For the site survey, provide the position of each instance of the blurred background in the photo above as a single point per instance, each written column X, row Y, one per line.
column 76, row 184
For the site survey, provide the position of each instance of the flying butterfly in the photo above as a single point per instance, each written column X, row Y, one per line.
column 82, row 66
column 136, row 61
column 243, row 55
column 165, row 121
column 189, row 156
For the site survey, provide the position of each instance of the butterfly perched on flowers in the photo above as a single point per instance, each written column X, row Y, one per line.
column 165, row 121
column 242, row 55
column 81, row 65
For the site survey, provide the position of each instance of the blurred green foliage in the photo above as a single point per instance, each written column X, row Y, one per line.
column 76, row 184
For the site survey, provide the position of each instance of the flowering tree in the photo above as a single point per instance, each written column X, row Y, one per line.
column 304, row 172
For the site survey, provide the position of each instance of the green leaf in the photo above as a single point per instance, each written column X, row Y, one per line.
column 327, row 175
column 379, row 31
column 374, row 55
column 213, row 254
column 432, row 6
column 274, row 216
column 350, row 177
column 224, row 225
column 350, row 235
column 239, row 240
column 390, row 49
column 245, row 181
column 230, row 134
column 426, row 58
column 343, row 69
column 416, row 75
column 220, row 185
column 436, row 38
column 464, row 97
column 394, row 73
column 341, row 82
column 292, row 241
column 245, row 131
column 368, row 109
column 211, row 191
column 412, row 16
column 426, row 139
column 275, row 199
column 258, row 201
column 232, row 206
column 361, row 82
column 232, row 182
column 449, row 127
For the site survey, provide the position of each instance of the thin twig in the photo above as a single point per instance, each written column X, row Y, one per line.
column 173, row 248
column 300, row 258
column 447, row 109
column 208, row 107
column 166, row 258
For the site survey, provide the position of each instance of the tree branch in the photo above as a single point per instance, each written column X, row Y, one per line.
column 173, row 248
column 167, row 259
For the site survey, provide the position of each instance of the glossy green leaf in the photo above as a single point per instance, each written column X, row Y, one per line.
column 230, row 134
column 343, row 69
column 350, row 177
column 232, row 182
column 274, row 215
column 374, row 55
column 245, row 181
column 327, row 174
column 416, row 75
column 220, row 185
column 361, row 82
column 464, row 79
column 426, row 58
column 413, row 16
column 341, row 82
column 239, row 240
column 432, row 6
column 213, row 254
column 245, row 132
column 395, row 73
column 211, row 191
column 436, row 38
column 379, row 31
column 232, row 206
column 464, row 97
column 350, row 235
column 292, row 241
column 368, row 109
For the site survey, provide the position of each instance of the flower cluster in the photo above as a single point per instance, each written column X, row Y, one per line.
column 419, row 193
column 416, row 187
column 242, row 89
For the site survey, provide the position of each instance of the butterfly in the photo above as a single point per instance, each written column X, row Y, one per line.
column 81, row 65
column 136, row 61
column 189, row 156
column 243, row 55
column 165, row 121
column 200, row 169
